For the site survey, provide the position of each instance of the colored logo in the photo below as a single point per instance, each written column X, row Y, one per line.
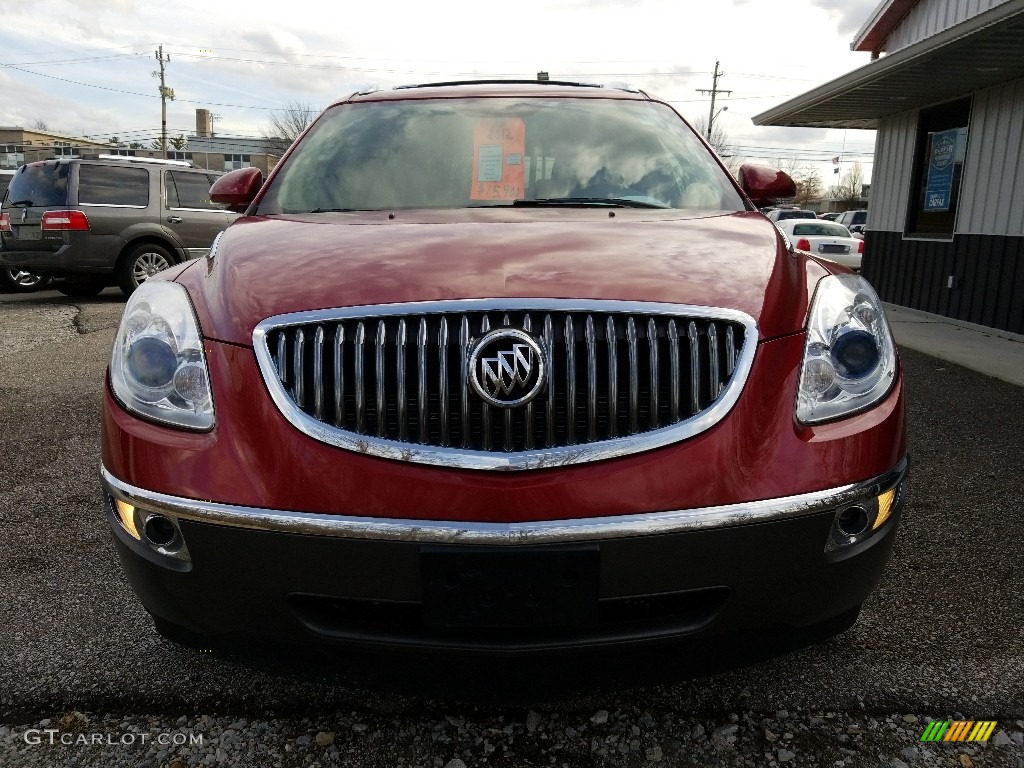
column 506, row 368
column 959, row 730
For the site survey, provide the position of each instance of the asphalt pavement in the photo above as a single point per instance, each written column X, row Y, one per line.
column 941, row 638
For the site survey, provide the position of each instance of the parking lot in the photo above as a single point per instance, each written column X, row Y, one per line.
column 941, row 638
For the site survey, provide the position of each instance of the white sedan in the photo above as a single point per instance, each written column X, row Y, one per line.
column 824, row 238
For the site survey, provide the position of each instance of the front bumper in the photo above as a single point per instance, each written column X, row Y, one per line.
column 220, row 569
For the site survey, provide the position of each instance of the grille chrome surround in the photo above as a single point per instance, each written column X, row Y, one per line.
column 416, row 348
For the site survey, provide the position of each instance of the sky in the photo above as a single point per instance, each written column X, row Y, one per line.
column 87, row 69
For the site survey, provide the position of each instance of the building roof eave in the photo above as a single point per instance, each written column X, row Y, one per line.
column 977, row 53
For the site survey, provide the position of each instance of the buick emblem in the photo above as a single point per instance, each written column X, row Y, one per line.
column 506, row 368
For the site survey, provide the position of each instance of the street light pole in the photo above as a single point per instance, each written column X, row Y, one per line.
column 714, row 91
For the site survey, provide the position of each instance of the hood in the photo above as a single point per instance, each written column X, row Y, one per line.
column 267, row 266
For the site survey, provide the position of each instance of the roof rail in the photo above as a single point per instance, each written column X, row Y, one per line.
column 496, row 81
column 156, row 160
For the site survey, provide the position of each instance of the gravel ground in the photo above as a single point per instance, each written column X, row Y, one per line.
column 441, row 736
column 941, row 638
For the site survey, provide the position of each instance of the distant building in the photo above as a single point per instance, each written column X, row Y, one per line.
column 204, row 150
column 27, row 145
column 946, row 217
column 225, row 153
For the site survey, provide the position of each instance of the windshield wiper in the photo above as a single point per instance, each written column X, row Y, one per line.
column 584, row 202
column 26, row 203
column 337, row 210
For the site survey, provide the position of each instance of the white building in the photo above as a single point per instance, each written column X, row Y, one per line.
column 945, row 91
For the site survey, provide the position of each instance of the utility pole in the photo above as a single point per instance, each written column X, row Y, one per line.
column 714, row 92
column 165, row 94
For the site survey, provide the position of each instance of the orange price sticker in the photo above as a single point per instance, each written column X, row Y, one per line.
column 499, row 149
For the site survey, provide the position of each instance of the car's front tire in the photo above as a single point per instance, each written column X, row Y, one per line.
column 140, row 264
column 22, row 281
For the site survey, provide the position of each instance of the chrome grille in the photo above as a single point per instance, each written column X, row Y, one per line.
column 393, row 380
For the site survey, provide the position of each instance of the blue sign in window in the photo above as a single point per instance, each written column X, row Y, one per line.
column 941, row 160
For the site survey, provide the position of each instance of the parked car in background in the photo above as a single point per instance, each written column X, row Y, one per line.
column 502, row 367
column 104, row 221
column 825, row 238
column 781, row 214
column 17, row 279
column 854, row 221
column 831, row 216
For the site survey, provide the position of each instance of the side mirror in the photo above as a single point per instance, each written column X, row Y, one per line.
column 764, row 185
column 237, row 189
column 857, row 228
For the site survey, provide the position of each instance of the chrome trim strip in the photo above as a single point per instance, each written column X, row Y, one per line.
column 591, row 379
column 339, row 376
column 715, row 380
column 673, row 355
column 540, row 532
column 379, row 356
column 484, row 460
column 634, row 377
column 300, row 377
column 528, row 411
column 485, row 409
column 360, row 382
column 442, row 346
column 318, row 373
column 421, row 375
column 549, row 409
column 400, row 341
column 570, row 380
column 611, row 338
column 730, row 351
column 282, row 358
column 464, row 356
column 652, row 341
column 691, row 333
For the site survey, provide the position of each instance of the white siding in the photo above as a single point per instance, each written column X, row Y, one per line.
column 929, row 17
column 892, row 171
column 992, row 189
column 992, row 200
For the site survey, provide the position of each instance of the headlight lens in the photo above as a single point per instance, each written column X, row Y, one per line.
column 158, row 368
column 849, row 358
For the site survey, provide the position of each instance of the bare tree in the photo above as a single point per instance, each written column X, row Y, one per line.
column 851, row 183
column 40, row 125
column 286, row 124
column 809, row 186
column 719, row 138
column 720, row 142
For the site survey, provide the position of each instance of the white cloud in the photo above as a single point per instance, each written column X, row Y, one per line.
column 243, row 59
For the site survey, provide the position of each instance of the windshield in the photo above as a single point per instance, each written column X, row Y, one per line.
column 449, row 153
column 821, row 228
column 39, row 185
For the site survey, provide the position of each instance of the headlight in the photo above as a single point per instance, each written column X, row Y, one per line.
column 158, row 369
column 849, row 358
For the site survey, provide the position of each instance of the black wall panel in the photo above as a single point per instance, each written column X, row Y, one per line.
column 987, row 271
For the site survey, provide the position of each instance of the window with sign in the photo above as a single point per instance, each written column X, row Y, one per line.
column 938, row 169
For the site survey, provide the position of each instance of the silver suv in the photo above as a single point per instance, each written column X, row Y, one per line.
column 105, row 221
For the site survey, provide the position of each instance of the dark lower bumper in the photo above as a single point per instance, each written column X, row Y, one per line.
column 687, row 582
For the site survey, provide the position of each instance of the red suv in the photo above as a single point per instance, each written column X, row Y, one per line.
column 502, row 367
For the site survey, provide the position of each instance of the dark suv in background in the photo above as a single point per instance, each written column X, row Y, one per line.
column 105, row 221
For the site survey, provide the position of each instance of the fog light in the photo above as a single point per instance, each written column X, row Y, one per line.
column 159, row 530
column 852, row 521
